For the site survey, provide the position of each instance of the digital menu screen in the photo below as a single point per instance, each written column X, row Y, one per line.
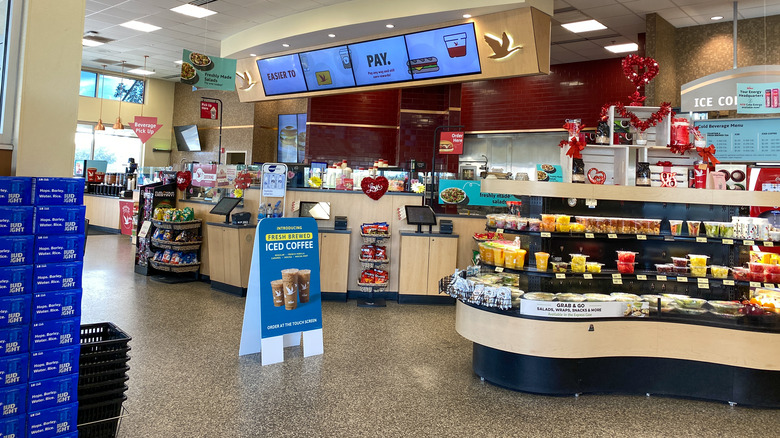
column 443, row 52
column 327, row 68
column 380, row 61
column 281, row 75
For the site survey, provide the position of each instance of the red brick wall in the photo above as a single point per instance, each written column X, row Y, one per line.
column 576, row 90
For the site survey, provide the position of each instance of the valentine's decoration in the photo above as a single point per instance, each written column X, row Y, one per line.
column 578, row 171
column 374, row 188
column 602, row 132
column 596, row 176
column 637, row 99
column 699, row 139
column 664, row 174
column 183, row 179
column 634, row 120
column 640, row 71
column 708, row 154
column 575, row 142
column 243, row 180
column 668, row 179
column 643, row 174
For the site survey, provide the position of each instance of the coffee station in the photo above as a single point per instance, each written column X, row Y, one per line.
column 106, row 191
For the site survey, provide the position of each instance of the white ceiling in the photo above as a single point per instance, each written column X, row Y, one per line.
column 624, row 19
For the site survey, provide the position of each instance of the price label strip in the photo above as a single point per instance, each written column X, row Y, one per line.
column 728, row 241
column 728, row 282
column 641, row 277
column 589, row 236
column 704, row 285
column 769, row 285
column 660, row 277
column 617, row 279
column 748, row 242
column 560, row 276
column 755, row 284
column 703, row 281
column 587, row 276
column 499, row 231
column 499, row 269
column 612, row 236
column 546, row 234
column 701, row 239
column 682, row 279
column 769, row 244
column 641, row 237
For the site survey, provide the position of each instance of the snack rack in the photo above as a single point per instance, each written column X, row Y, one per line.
column 191, row 246
column 372, row 288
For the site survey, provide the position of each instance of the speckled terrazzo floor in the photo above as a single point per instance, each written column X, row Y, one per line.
column 396, row 371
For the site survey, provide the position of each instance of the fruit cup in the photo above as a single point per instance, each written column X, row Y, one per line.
column 693, row 227
column 548, row 222
column 498, row 256
column 681, row 262
column 534, row 225
column 541, row 260
column 712, row 229
column 562, row 223
column 491, row 220
column 740, row 273
column 699, row 271
column 698, row 260
column 559, row 266
column 510, row 258
column 625, row 267
column 594, row 267
column 719, row 271
column 486, row 253
column 664, row 268
column 578, row 262
column 681, row 270
column 627, row 256
column 501, row 221
column 676, row 227
column 726, row 229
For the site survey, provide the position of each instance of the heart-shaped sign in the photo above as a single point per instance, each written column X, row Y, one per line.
column 596, row 176
column 243, row 180
column 375, row 188
column 183, row 179
column 640, row 71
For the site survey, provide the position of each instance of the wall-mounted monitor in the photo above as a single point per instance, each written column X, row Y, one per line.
column 187, row 138
column 437, row 53
column 282, row 75
column 317, row 210
column 291, row 139
column 327, row 68
column 380, row 61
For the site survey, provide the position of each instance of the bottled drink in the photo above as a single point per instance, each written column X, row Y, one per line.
column 277, row 210
column 261, row 211
column 268, row 210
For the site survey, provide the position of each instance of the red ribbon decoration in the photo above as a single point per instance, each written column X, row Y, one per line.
column 664, row 163
column 646, row 69
column 575, row 147
column 637, row 99
column 680, row 149
column 243, row 180
column 708, row 154
column 636, row 122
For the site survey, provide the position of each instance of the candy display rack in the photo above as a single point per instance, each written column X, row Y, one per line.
column 166, row 269
column 372, row 288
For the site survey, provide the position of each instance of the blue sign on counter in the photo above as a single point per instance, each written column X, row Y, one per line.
column 743, row 140
column 467, row 192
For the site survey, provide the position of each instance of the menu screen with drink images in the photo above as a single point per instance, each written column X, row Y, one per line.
column 282, row 75
column 380, row 61
column 327, row 68
column 443, row 52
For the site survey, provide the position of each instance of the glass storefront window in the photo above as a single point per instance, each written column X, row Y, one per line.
column 111, row 87
column 113, row 146
column 88, row 84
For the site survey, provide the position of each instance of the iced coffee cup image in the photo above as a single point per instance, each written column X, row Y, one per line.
column 277, row 289
column 290, row 285
column 304, row 282
column 456, row 44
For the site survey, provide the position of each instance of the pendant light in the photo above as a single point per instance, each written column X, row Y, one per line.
column 100, row 126
column 118, row 124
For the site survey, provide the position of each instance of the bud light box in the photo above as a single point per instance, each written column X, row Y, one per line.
column 13, row 400
column 53, row 421
column 15, row 310
column 13, row 427
column 54, row 363
column 56, row 305
column 49, row 393
column 16, row 280
column 59, row 248
column 59, row 220
column 16, row 221
column 59, row 191
column 57, row 276
column 16, row 250
column 56, row 333
column 16, row 190
column 14, row 370
column 14, row 340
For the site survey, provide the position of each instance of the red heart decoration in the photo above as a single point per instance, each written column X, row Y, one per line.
column 183, row 179
column 375, row 188
column 639, row 70
column 243, row 180
column 596, row 176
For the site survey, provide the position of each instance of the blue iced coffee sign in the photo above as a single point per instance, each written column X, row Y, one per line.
column 464, row 192
column 289, row 276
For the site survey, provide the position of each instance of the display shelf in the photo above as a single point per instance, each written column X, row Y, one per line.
column 167, row 267
column 188, row 225
column 631, row 193
column 620, row 236
column 178, row 246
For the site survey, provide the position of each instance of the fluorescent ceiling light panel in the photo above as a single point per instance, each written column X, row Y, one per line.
column 623, row 48
column 716, row 18
column 140, row 71
column 140, row 26
column 178, row 61
column 90, row 43
column 583, row 26
column 193, row 11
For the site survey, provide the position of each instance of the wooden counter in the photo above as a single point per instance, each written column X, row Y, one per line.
column 425, row 259
column 103, row 211
column 230, row 256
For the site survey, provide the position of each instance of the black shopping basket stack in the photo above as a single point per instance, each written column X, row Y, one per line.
column 102, row 379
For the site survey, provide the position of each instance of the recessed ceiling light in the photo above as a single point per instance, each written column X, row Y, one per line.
column 140, row 71
column 252, row 54
column 193, row 11
column 285, row 45
column 716, row 18
column 466, row 15
column 389, row 26
column 332, row 35
column 140, row 26
column 90, row 43
column 622, row 48
column 583, row 26
column 178, row 61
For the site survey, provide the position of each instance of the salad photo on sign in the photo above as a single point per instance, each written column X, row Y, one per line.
column 204, row 71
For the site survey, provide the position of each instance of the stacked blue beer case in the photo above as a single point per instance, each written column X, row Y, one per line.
column 41, row 252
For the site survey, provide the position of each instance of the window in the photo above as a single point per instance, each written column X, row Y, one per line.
column 112, row 87
column 10, row 25
column 114, row 147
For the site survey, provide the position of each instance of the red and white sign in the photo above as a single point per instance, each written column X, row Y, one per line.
column 204, row 175
column 451, row 142
column 209, row 110
column 126, row 217
column 145, row 127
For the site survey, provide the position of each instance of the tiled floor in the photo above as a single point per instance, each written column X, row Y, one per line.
column 395, row 371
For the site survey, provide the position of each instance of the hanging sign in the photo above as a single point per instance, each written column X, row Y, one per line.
column 283, row 297
column 203, row 71
column 451, row 142
column 145, row 127
column 209, row 110
column 204, row 175
column 758, row 98
column 718, row 91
